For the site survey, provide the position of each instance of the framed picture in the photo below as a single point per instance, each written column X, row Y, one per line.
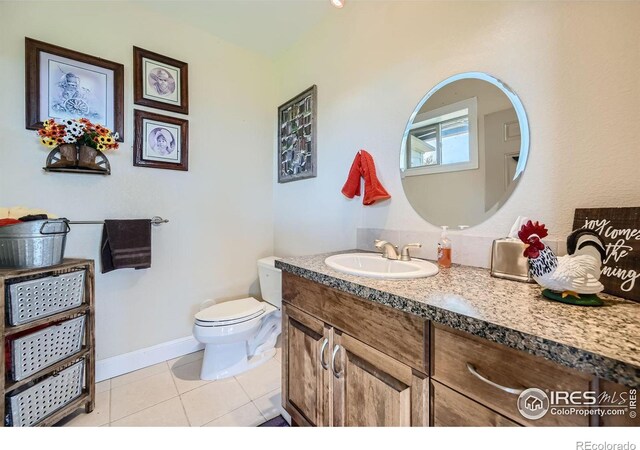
column 160, row 142
column 297, row 153
column 160, row 82
column 64, row 84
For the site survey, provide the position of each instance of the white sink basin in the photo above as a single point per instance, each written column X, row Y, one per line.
column 373, row 265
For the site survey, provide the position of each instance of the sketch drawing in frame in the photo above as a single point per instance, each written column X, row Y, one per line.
column 297, row 152
column 160, row 141
column 64, row 84
column 160, row 82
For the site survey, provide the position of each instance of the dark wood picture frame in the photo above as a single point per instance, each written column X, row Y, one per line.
column 33, row 48
column 293, row 139
column 138, row 81
column 140, row 136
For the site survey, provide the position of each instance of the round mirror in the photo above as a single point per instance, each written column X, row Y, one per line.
column 464, row 150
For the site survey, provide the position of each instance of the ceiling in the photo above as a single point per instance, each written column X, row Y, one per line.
column 267, row 27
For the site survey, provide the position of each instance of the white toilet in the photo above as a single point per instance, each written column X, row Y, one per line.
column 241, row 334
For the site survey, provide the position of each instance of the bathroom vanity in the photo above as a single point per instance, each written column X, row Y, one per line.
column 455, row 349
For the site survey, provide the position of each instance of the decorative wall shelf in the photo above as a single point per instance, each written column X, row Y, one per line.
column 72, row 158
column 76, row 170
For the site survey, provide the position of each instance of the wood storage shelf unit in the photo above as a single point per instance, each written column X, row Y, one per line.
column 49, row 343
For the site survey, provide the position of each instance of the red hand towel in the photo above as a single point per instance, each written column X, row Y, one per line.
column 373, row 189
column 352, row 185
column 363, row 166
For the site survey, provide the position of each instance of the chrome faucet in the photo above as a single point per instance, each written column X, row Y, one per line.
column 389, row 250
column 404, row 255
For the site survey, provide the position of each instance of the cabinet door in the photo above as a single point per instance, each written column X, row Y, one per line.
column 372, row 389
column 305, row 375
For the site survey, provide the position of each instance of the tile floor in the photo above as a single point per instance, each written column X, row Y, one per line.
column 172, row 394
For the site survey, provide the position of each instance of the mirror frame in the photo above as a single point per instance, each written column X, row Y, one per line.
column 517, row 105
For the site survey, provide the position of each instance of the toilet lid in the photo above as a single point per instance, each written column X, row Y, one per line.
column 245, row 308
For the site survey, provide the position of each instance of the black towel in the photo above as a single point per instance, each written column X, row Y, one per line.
column 126, row 244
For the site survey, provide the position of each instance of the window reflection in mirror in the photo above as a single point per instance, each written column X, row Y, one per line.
column 462, row 150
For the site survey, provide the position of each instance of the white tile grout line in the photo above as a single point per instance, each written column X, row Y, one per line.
column 140, row 379
column 179, row 395
column 188, row 362
column 254, row 404
column 151, row 406
column 163, row 401
column 193, row 388
column 148, row 407
column 226, row 414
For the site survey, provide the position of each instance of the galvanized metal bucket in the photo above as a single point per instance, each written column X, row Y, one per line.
column 38, row 243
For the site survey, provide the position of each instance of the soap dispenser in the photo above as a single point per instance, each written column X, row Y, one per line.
column 444, row 249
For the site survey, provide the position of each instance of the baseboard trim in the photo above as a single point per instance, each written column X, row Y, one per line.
column 145, row 357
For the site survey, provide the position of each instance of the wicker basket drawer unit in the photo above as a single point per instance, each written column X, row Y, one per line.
column 47, row 348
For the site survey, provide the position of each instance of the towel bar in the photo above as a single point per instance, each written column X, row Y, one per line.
column 155, row 220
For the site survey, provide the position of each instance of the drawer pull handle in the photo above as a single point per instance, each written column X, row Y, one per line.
column 333, row 362
column 324, row 365
column 475, row 373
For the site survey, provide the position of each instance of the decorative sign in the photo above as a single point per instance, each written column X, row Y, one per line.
column 619, row 228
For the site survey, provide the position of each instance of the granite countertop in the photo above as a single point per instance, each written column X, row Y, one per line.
column 604, row 341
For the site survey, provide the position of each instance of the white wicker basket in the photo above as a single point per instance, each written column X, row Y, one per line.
column 37, row 351
column 33, row 299
column 46, row 397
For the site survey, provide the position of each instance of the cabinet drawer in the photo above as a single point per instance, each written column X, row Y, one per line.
column 42, row 297
column 31, row 405
column 451, row 409
column 458, row 355
column 34, row 352
column 399, row 335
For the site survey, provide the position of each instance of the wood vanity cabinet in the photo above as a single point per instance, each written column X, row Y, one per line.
column 333, row 375
column 353, row 362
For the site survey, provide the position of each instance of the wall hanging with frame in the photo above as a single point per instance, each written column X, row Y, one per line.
column 160, row 142
column 619, row 228
column 63, row 84
column 297, row 152
column 160, row 82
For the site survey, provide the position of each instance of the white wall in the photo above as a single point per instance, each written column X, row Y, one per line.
column 220, row 211
column 575, row 67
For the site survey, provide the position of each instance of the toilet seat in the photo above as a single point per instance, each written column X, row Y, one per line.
column 230, row 313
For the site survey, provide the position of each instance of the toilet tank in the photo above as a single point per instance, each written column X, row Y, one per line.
column 270, row 281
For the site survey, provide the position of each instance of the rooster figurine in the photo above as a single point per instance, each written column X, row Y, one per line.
column 573, row 278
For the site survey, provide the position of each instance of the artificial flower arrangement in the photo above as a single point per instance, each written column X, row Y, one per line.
column 77, row 145
column 77, row 131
